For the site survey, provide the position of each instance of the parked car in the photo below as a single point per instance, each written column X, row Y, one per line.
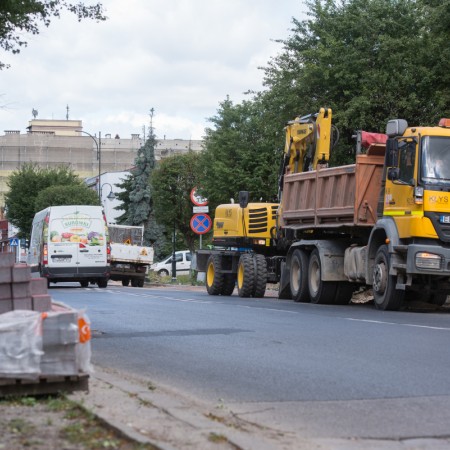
column 183, row 264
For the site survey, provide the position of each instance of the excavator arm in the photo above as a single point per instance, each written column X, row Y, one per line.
column 308, row 141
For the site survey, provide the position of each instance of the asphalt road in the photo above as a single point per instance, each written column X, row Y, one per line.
column 321, row 371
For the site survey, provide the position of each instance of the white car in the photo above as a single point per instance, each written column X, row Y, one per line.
column 183, row 264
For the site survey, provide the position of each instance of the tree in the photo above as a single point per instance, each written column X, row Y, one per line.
column 25, row 184
column 370, row 61
column 239, row 154
column 171, row 184
column 79, row 194
column 137, row 197
column 20, row 17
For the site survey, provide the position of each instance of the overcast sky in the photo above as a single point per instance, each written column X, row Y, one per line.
column 181, row 57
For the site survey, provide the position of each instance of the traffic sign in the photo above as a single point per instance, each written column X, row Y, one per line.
column 14, row 242
column 197, row 199
column 200, row 209
column 201, row 223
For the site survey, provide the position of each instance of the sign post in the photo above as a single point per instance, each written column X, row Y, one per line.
column 200, row 223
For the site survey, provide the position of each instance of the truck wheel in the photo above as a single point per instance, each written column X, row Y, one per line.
column 385, row 296
column 344, row 293
column 260, row 276
column 140, row 282
column 102, row 283
column 125, row 282
column 134, row 282
column 229, row 283
column 320, row 291
column 299, row 276
column 214, row 278
column 84, row 283
column 438, row 298
column 245, row 276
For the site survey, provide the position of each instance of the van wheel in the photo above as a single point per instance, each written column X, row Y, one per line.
column 214, row 277
column 245, row 276
column 321, row 292
column 163, row 273
column 84, row 283
column 125, row 282
column 102, row 283
column 299, row 276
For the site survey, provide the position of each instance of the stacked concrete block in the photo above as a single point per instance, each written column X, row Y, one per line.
column 60, row 339
column 18, row 291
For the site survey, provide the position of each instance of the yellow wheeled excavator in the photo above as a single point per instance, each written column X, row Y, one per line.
column 245, row 233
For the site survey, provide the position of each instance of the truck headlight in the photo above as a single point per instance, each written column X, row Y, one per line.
column 425, row 260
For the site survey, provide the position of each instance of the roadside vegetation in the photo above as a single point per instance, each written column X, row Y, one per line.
column 56, row 423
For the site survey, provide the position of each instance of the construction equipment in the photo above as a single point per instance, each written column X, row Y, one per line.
column 381, row 223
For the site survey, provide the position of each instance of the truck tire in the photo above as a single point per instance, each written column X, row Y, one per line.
column 125, row 282
column 245, row 276
column 229, row 283
column 84, row 283
column 320, row 292
column 260, row 276
column 102, row 283
column 385, row 296
column 134, row 282
column 299, row 276
column 344, row 293
column 140, row 282
column 214, row 277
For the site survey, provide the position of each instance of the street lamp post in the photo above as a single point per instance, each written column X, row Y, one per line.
column 98, row 144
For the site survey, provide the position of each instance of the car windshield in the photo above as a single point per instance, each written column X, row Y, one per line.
column 436, row 160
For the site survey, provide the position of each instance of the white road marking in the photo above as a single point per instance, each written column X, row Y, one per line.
column 396, row 323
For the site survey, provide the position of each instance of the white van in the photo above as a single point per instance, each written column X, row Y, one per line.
column 70, row 243
column 183, row 264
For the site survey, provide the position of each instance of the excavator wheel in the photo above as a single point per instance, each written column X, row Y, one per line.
column 320, row 291
column 229, row 283
column 259, row 288
column 245, row 276
column 214, row 278
column 299, row 276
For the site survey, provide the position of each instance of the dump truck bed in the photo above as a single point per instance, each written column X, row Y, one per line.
column 345, row 196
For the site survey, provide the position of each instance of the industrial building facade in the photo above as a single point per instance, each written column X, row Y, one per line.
column 52, row 143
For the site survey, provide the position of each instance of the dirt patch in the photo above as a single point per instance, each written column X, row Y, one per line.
column 56, row 423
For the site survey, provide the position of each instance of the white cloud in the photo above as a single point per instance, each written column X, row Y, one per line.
column 181, row 57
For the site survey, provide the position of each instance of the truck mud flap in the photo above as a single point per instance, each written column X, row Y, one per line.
column 285, row 286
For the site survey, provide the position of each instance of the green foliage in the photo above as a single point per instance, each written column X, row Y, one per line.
column 239, row 154
column 78, row 194
column 370, row 61
column 20, row 17
column 124, row 197
column 25, row 184
column 171, row 184
column 137, row 198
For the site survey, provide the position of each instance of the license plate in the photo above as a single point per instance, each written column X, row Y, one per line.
column 61, row 259
column 444, row 219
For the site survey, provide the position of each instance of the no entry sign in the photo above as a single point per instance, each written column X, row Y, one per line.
column 201, row 223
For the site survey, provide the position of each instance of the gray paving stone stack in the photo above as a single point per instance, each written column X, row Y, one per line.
column 18, row 290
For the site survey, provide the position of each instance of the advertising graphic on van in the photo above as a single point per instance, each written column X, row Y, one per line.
column 76, row 227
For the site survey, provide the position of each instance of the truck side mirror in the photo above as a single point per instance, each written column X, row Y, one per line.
column 393, row 173
column 243, row 199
